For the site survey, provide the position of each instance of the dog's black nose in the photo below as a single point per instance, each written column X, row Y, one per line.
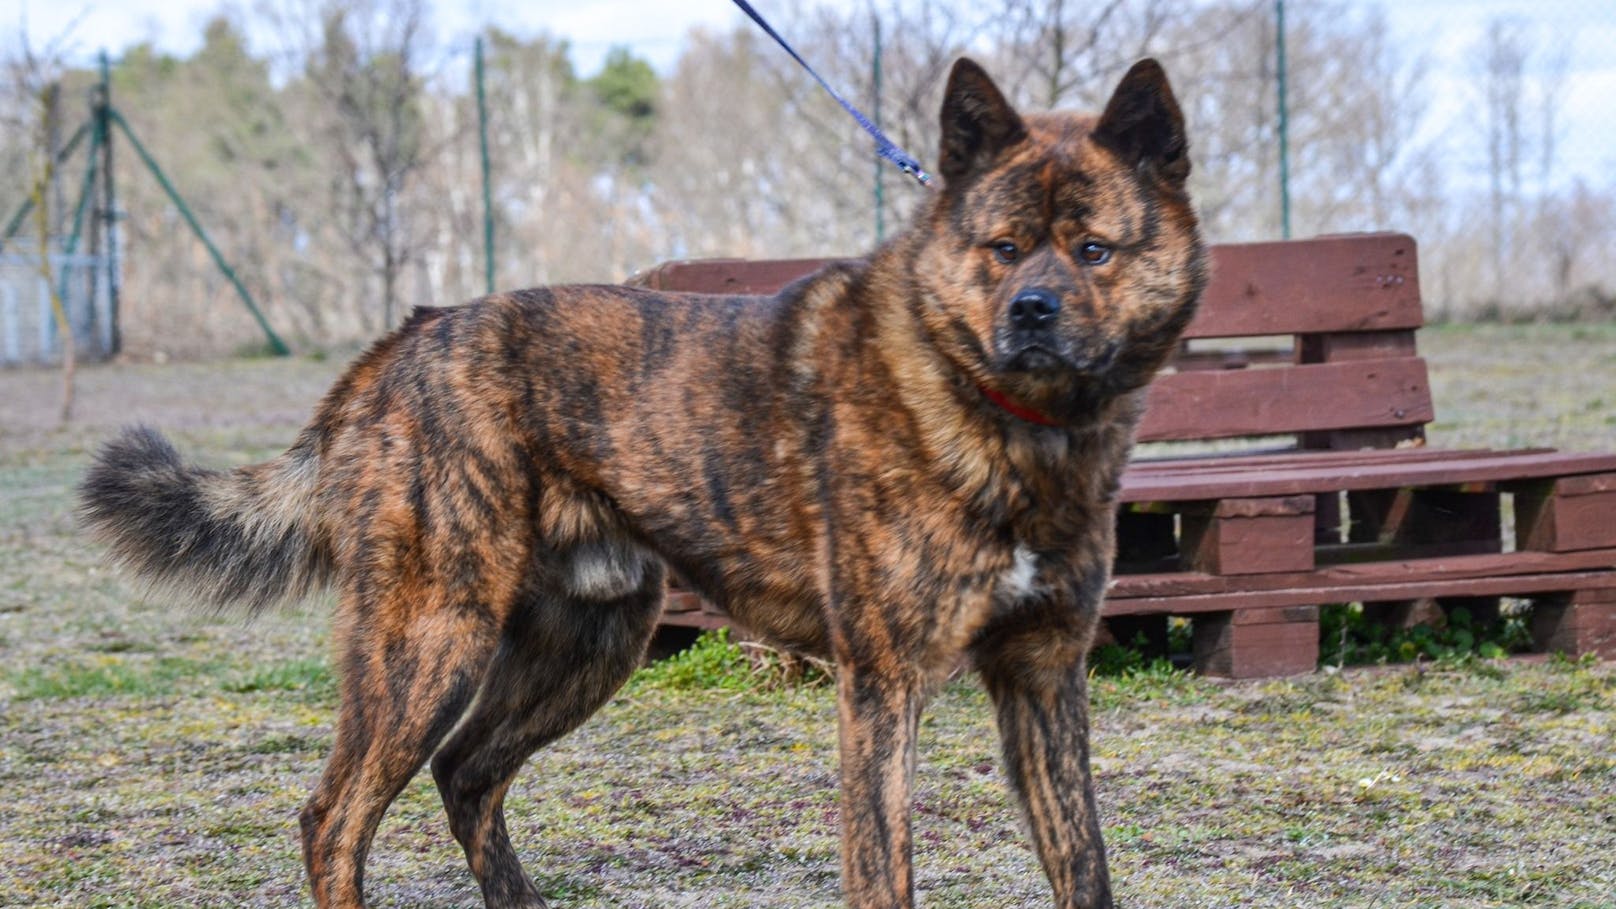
column 1033, row 309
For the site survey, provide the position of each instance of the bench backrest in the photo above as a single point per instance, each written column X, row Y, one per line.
column 1306, row 338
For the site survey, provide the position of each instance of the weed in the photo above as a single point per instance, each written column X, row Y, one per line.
column 717, row 662
column 1117, row 659
column 310, row 676
column 1351, row 637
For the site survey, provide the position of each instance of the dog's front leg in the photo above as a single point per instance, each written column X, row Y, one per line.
column 1038, row 682
column 879, row 715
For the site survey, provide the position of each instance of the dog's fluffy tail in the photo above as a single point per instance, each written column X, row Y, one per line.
column 247, row 537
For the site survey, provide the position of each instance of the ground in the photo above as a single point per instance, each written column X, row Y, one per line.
column 154, row 756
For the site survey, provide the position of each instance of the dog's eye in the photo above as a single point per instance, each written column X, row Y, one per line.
column 1093, row 253
column 1006, row 252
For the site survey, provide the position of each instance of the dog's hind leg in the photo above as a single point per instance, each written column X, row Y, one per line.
column 405, row 681
column 1038, row 681
column 565, row 650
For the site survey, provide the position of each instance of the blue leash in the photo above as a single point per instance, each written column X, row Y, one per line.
column 884, row 147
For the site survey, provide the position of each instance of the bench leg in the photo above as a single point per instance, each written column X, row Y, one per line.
column 1577, row 623
column 1257, row 643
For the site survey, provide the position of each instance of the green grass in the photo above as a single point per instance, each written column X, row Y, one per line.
column 109, row 675
column 310, row 678
column 156, row 757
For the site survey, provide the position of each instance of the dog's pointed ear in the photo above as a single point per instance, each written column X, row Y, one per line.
column 1143, row 124
column 977, row 121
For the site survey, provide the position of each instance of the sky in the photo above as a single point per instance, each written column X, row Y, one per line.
column 653, row 28
column 1444, row 31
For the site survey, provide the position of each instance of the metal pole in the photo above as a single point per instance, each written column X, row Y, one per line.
column 69, row 248
column 488, row 191
column 1284, row 123
column 875, row 76
column 275, row 343
column 109, row 206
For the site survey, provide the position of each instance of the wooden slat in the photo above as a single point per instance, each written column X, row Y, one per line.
column 728, row 276
column 707, row 621
column 1206, row 465
column 1362, row 282
column 1190, row 584
column 1254, row 402
column 1503, row 585
column 1190, row 485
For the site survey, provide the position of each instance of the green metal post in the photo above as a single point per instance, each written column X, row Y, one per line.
column 880, row 188
column 488, row 191
column 109, row 206
column 275, row 343
column 86, row 190
column 1284, row 123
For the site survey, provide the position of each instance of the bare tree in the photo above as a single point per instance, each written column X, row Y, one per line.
column 364, row 64
column 35, row 76
column 1502, row 63
column 1058, row 53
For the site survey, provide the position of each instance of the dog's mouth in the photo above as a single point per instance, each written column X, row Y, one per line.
column 1036, row 358
column 1048, row 355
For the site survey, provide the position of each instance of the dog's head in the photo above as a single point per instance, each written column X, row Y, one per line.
column 1063, row 258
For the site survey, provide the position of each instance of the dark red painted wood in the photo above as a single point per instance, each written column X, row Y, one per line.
column 1255, row 402
column 1363, row 575
column 728, row 276
column 1254, row 481
column 1578, row 623
column 1287, row 459
column 1250, row 536
column 1361, row 282
column 1567, row 513
column 1257, row 643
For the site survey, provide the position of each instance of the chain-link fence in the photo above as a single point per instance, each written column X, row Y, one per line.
column 29, row 333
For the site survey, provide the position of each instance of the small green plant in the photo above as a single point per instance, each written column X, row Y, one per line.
column 1112, row 660
column 310, row 677
column 1350, row 637
column 717, row 661
column 713, row 661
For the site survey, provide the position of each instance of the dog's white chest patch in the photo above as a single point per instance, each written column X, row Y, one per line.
column 1017, row 580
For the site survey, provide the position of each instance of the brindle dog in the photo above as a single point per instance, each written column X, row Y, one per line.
column 904, row 462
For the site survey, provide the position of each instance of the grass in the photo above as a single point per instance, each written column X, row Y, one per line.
column 155, row 757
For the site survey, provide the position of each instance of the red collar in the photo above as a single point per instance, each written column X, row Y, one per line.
column 1017, row 409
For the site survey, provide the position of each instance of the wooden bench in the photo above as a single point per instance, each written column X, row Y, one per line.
column 1283, row 467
